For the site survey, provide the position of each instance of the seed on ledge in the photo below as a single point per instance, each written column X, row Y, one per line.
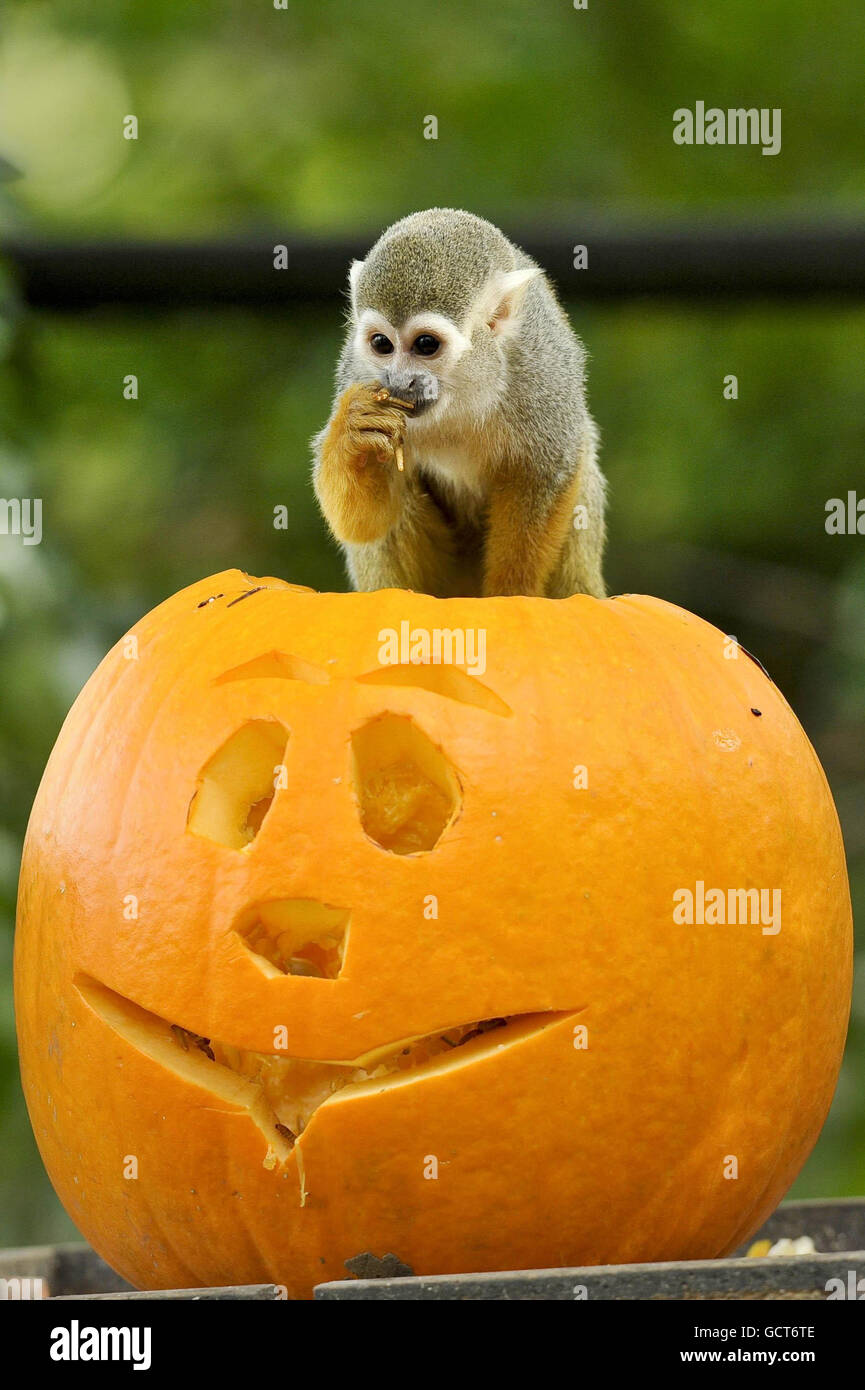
column 298, row 966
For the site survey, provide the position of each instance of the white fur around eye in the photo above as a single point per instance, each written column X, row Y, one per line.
column 369, row 323
column 454, row 342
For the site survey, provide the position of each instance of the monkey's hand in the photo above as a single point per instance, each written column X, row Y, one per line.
column 356, row 478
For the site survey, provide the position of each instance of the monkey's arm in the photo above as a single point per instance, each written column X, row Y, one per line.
column 356, row 479
column 526, row 532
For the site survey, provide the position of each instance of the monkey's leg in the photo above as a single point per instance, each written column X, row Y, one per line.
column 418, row 553
column 355, row 476
column 526, row 532
column 580, row 566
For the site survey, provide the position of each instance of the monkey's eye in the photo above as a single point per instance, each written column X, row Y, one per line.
column 426, row 344
column 380, row 344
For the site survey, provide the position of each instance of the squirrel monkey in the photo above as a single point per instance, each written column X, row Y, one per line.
column 460, row 455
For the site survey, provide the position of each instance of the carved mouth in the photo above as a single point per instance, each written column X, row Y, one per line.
column 281, row 1094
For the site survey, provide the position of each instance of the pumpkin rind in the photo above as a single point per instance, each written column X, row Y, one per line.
column 703, row 1041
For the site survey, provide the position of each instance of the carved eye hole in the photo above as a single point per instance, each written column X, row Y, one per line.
column 237, row 785
column 407, row 791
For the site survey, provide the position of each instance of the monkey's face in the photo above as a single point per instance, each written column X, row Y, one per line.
column 415, row 360
column 430, row 335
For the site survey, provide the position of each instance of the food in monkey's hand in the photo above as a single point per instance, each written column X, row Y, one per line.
column 386, row 398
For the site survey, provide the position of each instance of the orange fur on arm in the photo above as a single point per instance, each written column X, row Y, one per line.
column 522, row 546
column 359, row 491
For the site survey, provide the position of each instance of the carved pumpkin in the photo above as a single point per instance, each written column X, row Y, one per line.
column 321, row 958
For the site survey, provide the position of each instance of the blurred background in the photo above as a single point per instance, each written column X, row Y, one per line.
column 304, row 125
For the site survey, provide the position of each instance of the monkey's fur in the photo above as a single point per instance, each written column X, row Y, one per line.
column 500, row 448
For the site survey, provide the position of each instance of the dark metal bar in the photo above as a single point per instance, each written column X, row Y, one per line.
column 243, row 1293
column 667, row 261
column 786, row 1277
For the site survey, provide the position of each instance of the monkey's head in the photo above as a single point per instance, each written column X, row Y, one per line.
column 433, row 307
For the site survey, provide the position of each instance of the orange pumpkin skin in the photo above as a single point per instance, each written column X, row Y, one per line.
column 708, row 1049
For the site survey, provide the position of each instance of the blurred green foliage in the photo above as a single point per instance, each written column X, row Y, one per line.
column 311, row 118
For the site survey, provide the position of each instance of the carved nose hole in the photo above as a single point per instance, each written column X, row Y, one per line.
column 296, row 936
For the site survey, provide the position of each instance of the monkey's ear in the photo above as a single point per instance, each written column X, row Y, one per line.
column 507, row 294
column 353, row 277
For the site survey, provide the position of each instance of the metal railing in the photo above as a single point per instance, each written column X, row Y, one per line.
column 676, row 261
